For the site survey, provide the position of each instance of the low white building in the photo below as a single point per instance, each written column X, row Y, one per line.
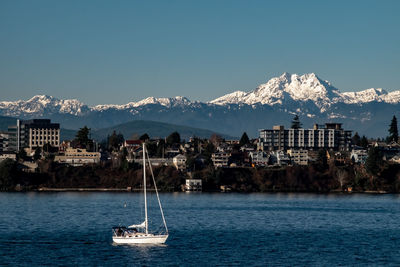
column 280, row 158
column 359, row 155
column 78, row 157
column 259, row 158
column 179, row 162
column 7, row 155
column 193, row 185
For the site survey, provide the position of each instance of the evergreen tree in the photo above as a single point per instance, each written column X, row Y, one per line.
column 296, row 124
column 374, row 161
column 144, row 137
column 364, row 142
column 244, row 140
column 393, row 131
column 356, row 139
column 21, row 155
column 38, row 154
column 8, row 174
column 173, row 138
column 82, row 138
column 115, row 140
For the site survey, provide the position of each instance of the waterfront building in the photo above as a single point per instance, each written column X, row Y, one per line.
column 31, row 134
column 193, row 185
column 330, row 136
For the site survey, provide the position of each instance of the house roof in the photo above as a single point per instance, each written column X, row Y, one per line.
column 133, row 142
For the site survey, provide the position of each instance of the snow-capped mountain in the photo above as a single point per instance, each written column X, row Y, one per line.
column 41, row 104
column 271, row 103
column 307, row 87
column 166, row 102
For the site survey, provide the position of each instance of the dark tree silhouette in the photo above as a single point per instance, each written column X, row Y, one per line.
column 173, row 138
column 393, row 131
column 115, row 140
column 244, row 139
column 296, row 124
column 356, row 139
column 82, row 138
column 364, row 142
column 374, row 161
column 144, row 137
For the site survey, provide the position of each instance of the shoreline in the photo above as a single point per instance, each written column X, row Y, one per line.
column 77, row 189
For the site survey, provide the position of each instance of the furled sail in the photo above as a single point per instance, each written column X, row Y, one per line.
column 142, row 225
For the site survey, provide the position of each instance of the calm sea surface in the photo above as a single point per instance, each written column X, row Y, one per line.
column 205, row 229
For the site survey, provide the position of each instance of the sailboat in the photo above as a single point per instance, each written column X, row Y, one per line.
column 139, row 233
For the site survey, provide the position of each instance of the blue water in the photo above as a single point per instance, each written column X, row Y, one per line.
column 205, row 229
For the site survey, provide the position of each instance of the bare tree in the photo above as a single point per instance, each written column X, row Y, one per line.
column 342, row 176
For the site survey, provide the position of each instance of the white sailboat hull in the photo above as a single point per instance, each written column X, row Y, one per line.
column 140, row 239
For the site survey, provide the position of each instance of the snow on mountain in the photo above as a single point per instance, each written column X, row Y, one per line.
column 288, row 90
column 232, row 98
column 39, row 103
column 392, row 97
column 283, row 88
column 166, row 102
column 307, row 87
column 365, row 96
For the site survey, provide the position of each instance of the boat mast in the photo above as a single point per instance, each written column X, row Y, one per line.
column 158, row 198
column 144, row 189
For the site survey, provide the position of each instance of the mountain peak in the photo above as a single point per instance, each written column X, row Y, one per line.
column 287, row 87
column 232, row 98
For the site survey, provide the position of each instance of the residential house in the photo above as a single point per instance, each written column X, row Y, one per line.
column 359, row 155
column 179, row 162
column 259, row 158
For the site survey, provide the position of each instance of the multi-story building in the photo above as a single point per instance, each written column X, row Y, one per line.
column 31, row 134
column 3, row 142
column 330, row 136
column 220, row 159
column 298, row 156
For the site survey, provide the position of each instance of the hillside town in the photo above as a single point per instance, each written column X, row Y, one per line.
column 32, row 144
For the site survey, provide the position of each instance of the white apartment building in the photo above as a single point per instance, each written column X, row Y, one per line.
column 329, row 136
column 31, row 134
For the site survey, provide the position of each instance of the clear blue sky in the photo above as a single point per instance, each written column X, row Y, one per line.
column 119, row 51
